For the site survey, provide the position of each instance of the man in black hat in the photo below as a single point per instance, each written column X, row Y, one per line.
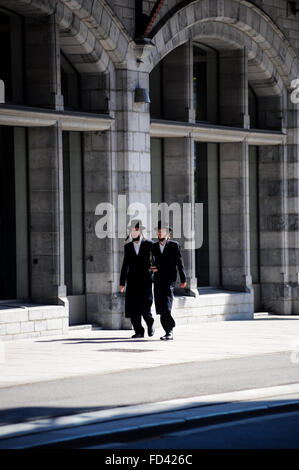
column 167, row 258
column 137, row 276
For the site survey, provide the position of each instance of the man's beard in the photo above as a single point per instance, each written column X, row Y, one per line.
column 161, row 239
column 136, row 239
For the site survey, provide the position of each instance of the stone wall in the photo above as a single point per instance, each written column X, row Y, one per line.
column 23, row 320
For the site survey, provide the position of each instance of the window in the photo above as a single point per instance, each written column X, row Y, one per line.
column 252, row 108
column 157, row 170
column 73, row 212
column 205, row 87
column 11, row 65
column 69, row 84
column 254, row 214
column 13, row 214
column 206, row 184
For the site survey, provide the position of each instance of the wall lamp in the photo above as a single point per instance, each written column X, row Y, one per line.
column 141, row 96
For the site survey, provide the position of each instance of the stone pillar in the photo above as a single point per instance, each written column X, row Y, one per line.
column 133, row 139
column 132, row 161
column 45, row 163
column 234, row 213
column 292, row 175
column 177, row 84
column 179, row 189
column 233, row 88
column 293, row 201
column 100, row 285
column 117, row 171
column 46, row 213
column 274, row 264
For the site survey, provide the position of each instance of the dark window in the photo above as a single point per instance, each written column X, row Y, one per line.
column 11, row 64
column 205, row 84
column 69, row 85
column 254, row 214
column 252, row 108
column 206, row 186
column 73, row 213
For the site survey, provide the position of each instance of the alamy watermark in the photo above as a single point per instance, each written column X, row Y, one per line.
column 295, row 92
column 186, row 220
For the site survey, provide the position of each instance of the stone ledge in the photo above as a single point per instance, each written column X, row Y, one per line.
column 30, row 321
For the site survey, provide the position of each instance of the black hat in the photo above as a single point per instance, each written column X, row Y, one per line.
column 162, row 225
column 136, row 224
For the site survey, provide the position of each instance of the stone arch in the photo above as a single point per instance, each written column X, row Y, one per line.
column 236, row 19
column 91, row 36
column 262, row 73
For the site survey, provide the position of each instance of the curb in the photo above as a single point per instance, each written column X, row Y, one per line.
column 159, row 427
column 140, row 421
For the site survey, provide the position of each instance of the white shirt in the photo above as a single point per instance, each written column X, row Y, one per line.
column 137, row 246
column 162, row 247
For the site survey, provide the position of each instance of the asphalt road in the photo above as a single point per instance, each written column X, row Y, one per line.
column 90, row 392
column 268, row 432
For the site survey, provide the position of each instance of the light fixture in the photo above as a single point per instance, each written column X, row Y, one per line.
column 141, row 96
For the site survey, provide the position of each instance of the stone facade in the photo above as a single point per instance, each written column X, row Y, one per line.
column 82, row 61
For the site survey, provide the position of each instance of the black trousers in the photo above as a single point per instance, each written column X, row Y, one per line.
column 167, row 321
column 136, row 322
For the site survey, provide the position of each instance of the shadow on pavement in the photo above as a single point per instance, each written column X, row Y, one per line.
column 100, row 340
column 25, row 414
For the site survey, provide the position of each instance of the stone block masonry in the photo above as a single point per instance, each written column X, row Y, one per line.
column 20, row 320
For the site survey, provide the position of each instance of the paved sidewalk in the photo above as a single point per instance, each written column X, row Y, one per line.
column 83, row 352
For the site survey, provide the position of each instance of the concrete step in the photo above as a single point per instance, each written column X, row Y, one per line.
column 84, row 326
column 213, row 305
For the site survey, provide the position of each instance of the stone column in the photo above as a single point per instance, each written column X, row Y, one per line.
column 233, row 88
column 274, row 262
column 45, row 164
column 117, row 172
column 133, row 165
column 46, row 213
column 293, row 201
column 133, row 139
column 100, row 285
column 234, row 213
column 99, row 155
column 179, row 189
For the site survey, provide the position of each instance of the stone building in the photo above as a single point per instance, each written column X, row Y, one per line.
column 77, row 130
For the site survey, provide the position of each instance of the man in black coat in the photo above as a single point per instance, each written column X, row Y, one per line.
column 167, row 258
column 136, row 274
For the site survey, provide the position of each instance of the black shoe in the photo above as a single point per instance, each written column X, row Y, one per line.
column 167, row 336
column 138, row 335
column 150, row 330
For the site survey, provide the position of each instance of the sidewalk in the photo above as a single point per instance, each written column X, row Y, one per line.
column 83, row 352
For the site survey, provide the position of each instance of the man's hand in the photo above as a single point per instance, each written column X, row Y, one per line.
column 183, row 284
column 154, row 269
column 122, row 288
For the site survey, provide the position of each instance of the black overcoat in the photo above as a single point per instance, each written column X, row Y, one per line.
column 164, row 279
column 137, row 276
